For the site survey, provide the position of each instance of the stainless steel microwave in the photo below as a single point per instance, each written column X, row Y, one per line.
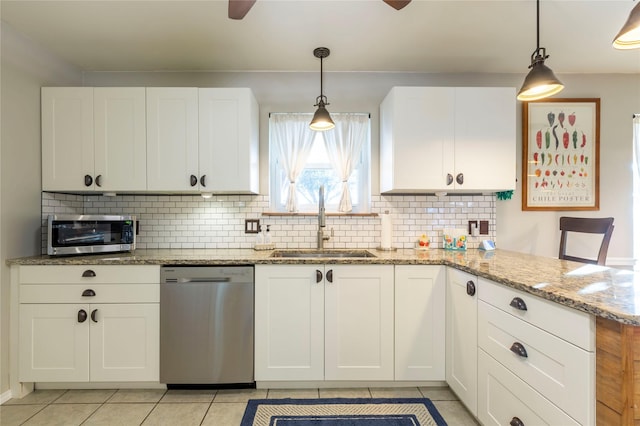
column 85, row 234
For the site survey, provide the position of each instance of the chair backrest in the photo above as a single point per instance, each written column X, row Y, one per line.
column 602, row 226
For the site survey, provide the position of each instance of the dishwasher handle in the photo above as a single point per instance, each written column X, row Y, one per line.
column 211, row 280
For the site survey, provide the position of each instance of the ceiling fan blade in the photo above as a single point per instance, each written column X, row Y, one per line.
column 397, row 4
column 239, row 8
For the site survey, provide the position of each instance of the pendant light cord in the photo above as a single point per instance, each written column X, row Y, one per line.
column 537, row 27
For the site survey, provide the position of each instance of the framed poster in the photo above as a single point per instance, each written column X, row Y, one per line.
column 561, row 154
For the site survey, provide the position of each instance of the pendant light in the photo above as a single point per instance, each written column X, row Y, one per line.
column 321, row 119
column 540, row 82
column 629, row 35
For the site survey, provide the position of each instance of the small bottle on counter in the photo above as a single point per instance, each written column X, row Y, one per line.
column 260, row 236
column 267, row 236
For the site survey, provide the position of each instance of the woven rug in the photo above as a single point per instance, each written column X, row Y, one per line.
column 342, row 412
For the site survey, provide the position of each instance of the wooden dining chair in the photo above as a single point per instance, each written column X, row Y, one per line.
column 602, row 226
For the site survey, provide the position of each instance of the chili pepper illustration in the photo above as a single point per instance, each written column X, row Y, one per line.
column 555, row 136
column 537, row 184
column 565, row 139
column 575, row 158
column 542, row 159
column 535, row 158
column 563, row 160
column 561, row 119
column 572, row 118
column 586, row 160
column 547, row 139
column 557, row 156
column 584, row 140
column 582, row 158
column 551, row 117
column 550, row 158
column 555, row 172
column 538, row 172
column 547, row 172
column 568, row 158
column 574, row 137
column 539, row 139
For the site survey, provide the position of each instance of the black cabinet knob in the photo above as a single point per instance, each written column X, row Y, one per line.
column 460, row 178
column 318, row 275
column 88, row 293
column 202, row 180
column 516, row 422
column 330, row 275
column 94, row 314
column 88, row 274
column 449, row 178
column 518, row 304
column 82, row 315
column 88, row 180
column 518, row 349
column 471, row 288
column 193, row 180
column 99, row 180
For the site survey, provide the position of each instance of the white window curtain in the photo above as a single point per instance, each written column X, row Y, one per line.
column 636, row 189
column 636, row 139
column 344, row 144
column 292, row 139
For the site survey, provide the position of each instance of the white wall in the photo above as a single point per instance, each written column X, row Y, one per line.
column 530, row 232
column 24, row 69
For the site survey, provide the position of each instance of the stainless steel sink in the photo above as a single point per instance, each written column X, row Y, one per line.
column 322, row 253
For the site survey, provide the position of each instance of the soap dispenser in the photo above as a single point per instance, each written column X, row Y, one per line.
column 260, row 236
column 267, row 236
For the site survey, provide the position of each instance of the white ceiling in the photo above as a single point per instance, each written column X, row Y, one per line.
column 363, row 35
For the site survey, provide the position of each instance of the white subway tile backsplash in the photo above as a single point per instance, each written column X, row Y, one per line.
column 190, row 221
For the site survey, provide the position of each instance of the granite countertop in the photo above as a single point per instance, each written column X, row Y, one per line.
column 601, row 291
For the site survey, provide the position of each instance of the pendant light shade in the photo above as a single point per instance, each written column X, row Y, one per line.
column 629, row 35
column 321, row 119
column 541, row 82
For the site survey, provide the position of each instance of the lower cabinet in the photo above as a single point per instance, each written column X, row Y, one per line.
column 420, row 322
column 462, row 337
column 324, row 322
column 90, row 323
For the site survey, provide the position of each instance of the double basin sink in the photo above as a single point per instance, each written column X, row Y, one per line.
column 323, row 253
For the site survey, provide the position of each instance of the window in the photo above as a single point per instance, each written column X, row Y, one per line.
column 295, row 148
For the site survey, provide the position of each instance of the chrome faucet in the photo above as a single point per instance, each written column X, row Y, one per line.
column 321, row 220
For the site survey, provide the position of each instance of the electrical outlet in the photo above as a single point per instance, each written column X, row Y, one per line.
column 251, row 226
column 472, row 225
column 484, row 227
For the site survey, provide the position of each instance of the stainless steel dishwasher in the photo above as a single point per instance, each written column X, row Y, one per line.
column 206, row 325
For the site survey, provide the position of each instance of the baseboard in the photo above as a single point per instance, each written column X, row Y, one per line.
column 5, row 396
column 621, row 262
column 101, row 385
column 346, row 384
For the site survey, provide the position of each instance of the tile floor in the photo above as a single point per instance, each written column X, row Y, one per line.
column 188, row 407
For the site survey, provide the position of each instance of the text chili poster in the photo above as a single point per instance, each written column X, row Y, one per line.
column 561, row 140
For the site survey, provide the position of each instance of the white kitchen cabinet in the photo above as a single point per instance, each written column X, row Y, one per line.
column 289, row 322
column 172, row 139
column 102, row 325
column 228, row 140
column 93, row 139
column 462, row 337
column 453, row 139
column 202, row 140
column 420, row 322
column 324, row 322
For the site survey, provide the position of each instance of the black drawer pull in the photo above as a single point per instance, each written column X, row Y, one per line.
column 318, row 276
column 330, row 275
column 518, row 304
column 82, row 315
column 93, row 315
column 471, row 288
column 518, row 349
column 88, row 293
column 88, row 273
column 516, row 422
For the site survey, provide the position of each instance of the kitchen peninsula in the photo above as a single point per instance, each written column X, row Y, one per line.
column 608, row 296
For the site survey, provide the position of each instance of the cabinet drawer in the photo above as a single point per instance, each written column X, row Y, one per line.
column 571, row 325
column 102, row 274
column 560, row 371
column 104, row 293
column 502, row 396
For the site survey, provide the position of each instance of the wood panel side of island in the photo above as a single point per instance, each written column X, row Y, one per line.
column 617, row 373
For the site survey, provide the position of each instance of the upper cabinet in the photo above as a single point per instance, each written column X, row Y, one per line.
column 175, row 140
column 202, row 140
column 453, row 139
column 93, row 139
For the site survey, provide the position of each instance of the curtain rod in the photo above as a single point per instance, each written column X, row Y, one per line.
column 310, row 113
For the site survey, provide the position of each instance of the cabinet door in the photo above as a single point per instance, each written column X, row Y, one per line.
column 462, row 337
column 289, row 322
column 172, row 139
column 125, row 342
column 54, row 345
column 416, row 139
column 359, row 322
column 120, row 138
column 485, row 129
column 67, row 138
column 419, row 322
column 228, row 140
